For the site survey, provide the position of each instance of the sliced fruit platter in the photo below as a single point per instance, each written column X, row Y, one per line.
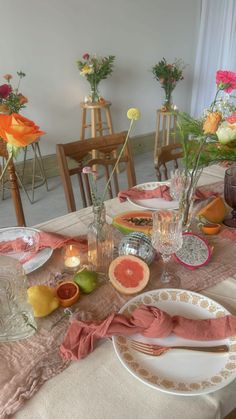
column 130, row 221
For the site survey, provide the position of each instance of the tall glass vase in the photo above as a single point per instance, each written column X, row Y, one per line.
column 187, row 198
column 168, row 103
column 100, row 241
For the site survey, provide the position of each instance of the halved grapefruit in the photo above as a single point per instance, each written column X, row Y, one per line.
column 129, row 274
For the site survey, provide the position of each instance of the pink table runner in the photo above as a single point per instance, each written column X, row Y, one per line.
column 25, row 365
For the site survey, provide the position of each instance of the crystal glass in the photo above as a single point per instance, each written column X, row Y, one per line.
column 178, row 182
column 167, row 239
column 230, row 194
column 20, row 243
column 100, row 241
column 16, row 315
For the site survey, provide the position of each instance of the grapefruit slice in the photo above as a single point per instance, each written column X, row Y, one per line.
column 214, row 212
column 129, row 274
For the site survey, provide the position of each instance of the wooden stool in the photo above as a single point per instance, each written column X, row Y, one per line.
column 166, row 128
column 96, row 124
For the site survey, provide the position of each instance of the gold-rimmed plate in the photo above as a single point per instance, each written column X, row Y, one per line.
column 179, row 372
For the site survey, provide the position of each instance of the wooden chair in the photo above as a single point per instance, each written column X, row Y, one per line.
column 168, row 153
column 80, row 152
column 15, row 193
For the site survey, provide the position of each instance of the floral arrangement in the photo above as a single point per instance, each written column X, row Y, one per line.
column 95, row 69
column 11, row 100
column 211, row 138
column 133, row 114
column 168, row 76
column 16, row 130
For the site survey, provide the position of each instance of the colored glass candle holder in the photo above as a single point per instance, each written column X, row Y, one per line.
column 71, row 257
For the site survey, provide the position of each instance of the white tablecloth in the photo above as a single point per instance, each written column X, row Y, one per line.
column 99, row 387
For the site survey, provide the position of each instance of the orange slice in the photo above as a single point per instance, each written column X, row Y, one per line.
column 210, row 228
column 215, row 211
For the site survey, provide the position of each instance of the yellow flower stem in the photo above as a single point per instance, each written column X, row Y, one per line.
column 117, row 161
column 5, row 167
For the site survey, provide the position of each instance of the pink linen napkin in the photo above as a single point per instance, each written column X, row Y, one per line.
column 52, row 240
column 200, row 194
column 149, row 321
column 162, row 191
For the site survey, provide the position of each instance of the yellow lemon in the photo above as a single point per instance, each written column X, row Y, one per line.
column 43, row 300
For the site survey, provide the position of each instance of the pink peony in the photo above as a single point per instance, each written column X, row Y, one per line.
column 86, row 56
column 232, row 118
column 228, row 78
column 5, row 90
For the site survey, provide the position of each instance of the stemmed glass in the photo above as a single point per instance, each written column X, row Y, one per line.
column 167, row 239
column 230, row 194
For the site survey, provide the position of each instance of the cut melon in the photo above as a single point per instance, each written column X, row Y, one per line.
column 129, row 274
column 214, row 212
column 130, row 221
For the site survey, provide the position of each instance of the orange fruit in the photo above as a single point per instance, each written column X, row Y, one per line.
column 210, row 228
column 214, row 212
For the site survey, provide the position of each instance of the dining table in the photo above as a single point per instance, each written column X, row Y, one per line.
column 98, row 386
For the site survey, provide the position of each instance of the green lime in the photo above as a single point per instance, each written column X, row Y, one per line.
column 87, row 280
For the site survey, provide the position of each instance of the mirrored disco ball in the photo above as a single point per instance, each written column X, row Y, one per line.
column 137, row 244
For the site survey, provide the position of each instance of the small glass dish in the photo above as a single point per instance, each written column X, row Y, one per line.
column 19, row 243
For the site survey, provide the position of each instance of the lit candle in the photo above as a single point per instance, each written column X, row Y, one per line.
column 71, row 257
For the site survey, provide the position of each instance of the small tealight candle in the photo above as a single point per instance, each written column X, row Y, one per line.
column 71, row 258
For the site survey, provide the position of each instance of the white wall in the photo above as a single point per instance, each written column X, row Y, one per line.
column 44, row 38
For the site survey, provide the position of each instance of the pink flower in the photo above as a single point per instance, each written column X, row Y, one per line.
column 86, row 56
column 5, row 90
column 227, row 78
column 232, row 118
column 87, row 169
column 7, row 77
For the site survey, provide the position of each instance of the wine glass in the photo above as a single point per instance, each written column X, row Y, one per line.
column 167, row 239
column 230, row 194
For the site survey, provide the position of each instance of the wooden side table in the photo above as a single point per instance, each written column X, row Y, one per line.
column 97, row 125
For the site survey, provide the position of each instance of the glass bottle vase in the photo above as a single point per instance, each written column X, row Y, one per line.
column 100, row 241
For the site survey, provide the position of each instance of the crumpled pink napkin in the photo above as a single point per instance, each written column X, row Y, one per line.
column 162, row 191
column 149, row 321
column 52, row 240
column 200, row 194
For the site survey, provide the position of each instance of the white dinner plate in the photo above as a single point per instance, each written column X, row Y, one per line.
column 153, row 203
column 39, row 259
column 179, row 372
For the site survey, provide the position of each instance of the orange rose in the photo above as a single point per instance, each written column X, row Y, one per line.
column 212, row 122
column 22, row 99
column 18, row 131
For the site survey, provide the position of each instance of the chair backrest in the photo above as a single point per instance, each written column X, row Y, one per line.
column 15, row 193
column 168, row 153
column 104, row 150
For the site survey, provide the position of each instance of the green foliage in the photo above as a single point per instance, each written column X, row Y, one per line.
column 168, row 74
column 96, row 69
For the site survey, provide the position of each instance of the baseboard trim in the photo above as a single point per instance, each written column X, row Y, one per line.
column 139, row 144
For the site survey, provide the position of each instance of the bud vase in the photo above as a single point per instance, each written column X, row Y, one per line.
column 187, row 197
column 100, row 241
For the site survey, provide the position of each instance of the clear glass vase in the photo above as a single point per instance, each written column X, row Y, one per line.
column 100, row 241
column 168, row 103
column 16, row 315
column 94, row 93
column 187, row 198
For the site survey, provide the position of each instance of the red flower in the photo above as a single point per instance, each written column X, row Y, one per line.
column 86, row 56
column 232, row 118
column 5, row 90
column 227, row 78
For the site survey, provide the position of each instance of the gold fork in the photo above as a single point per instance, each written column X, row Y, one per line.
column 157, row 350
